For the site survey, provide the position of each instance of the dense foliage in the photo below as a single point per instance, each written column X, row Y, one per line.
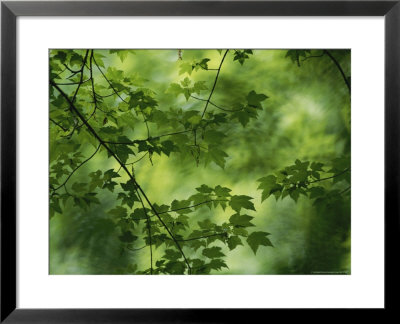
column 107, row 123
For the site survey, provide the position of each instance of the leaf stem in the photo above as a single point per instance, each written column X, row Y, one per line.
column 334, row 176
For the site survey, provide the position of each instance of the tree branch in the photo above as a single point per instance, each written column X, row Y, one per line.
column 138, row 160
column 149, row 232
column 340, row 69
column 91, row 130
column 215, row 83
column 59, row 125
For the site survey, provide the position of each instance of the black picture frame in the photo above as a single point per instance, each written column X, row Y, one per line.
column 11, row 10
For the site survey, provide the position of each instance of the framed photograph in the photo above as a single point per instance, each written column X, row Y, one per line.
column 197, row 161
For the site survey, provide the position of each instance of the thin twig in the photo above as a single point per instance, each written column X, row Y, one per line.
column 334, row 176
column 215, row 83
column 137, row 249
column 73, row 83
column 200, row 237
column 182, row 208
column 339, row 68
column 59, row 125
column 343, row 191
column 76, row 168
column 216, row 106
column 138, row 160
column 148, row 139
column 108, row 81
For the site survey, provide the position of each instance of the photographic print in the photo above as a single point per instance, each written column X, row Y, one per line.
column 199, row 161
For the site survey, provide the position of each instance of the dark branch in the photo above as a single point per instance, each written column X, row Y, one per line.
column 346, row 80
column 148, row 230
column 215, row 83
column 91, row 130
column 59, row 125
column 70, row 70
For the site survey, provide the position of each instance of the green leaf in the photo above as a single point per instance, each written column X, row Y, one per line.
column 168, row 146
column 118, row 212
column 222, row 191
column 122, row 54
column 316, row 192
column 216, row 155
column 213, row 252
column 294, row 194
column 138, row 214
column 240, row 231
column 242, row 116
column 79, row 187
column 186, row 82
column 110, row 174
column 194, row 120
column 217, row 264
column 172, row 255
column 123, row 152
column 214, row 137
column 241, row 220
column 128, row 199
column 199, row 86
column 185, row 67
column 175, row 89
column 204, row 189
column 206, row 224
column 295, row 55
column 127, row 237
column 242, row 55
column 239, row 202
column 254, row 99
column 129, row 186
column 175, row 267
column 76, row 59
column 181, row 206
column 316, row 166
column 256, row 239
column 233, row 242
column 267, row 185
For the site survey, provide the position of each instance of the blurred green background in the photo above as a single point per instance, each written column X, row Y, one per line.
column 306, row 117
